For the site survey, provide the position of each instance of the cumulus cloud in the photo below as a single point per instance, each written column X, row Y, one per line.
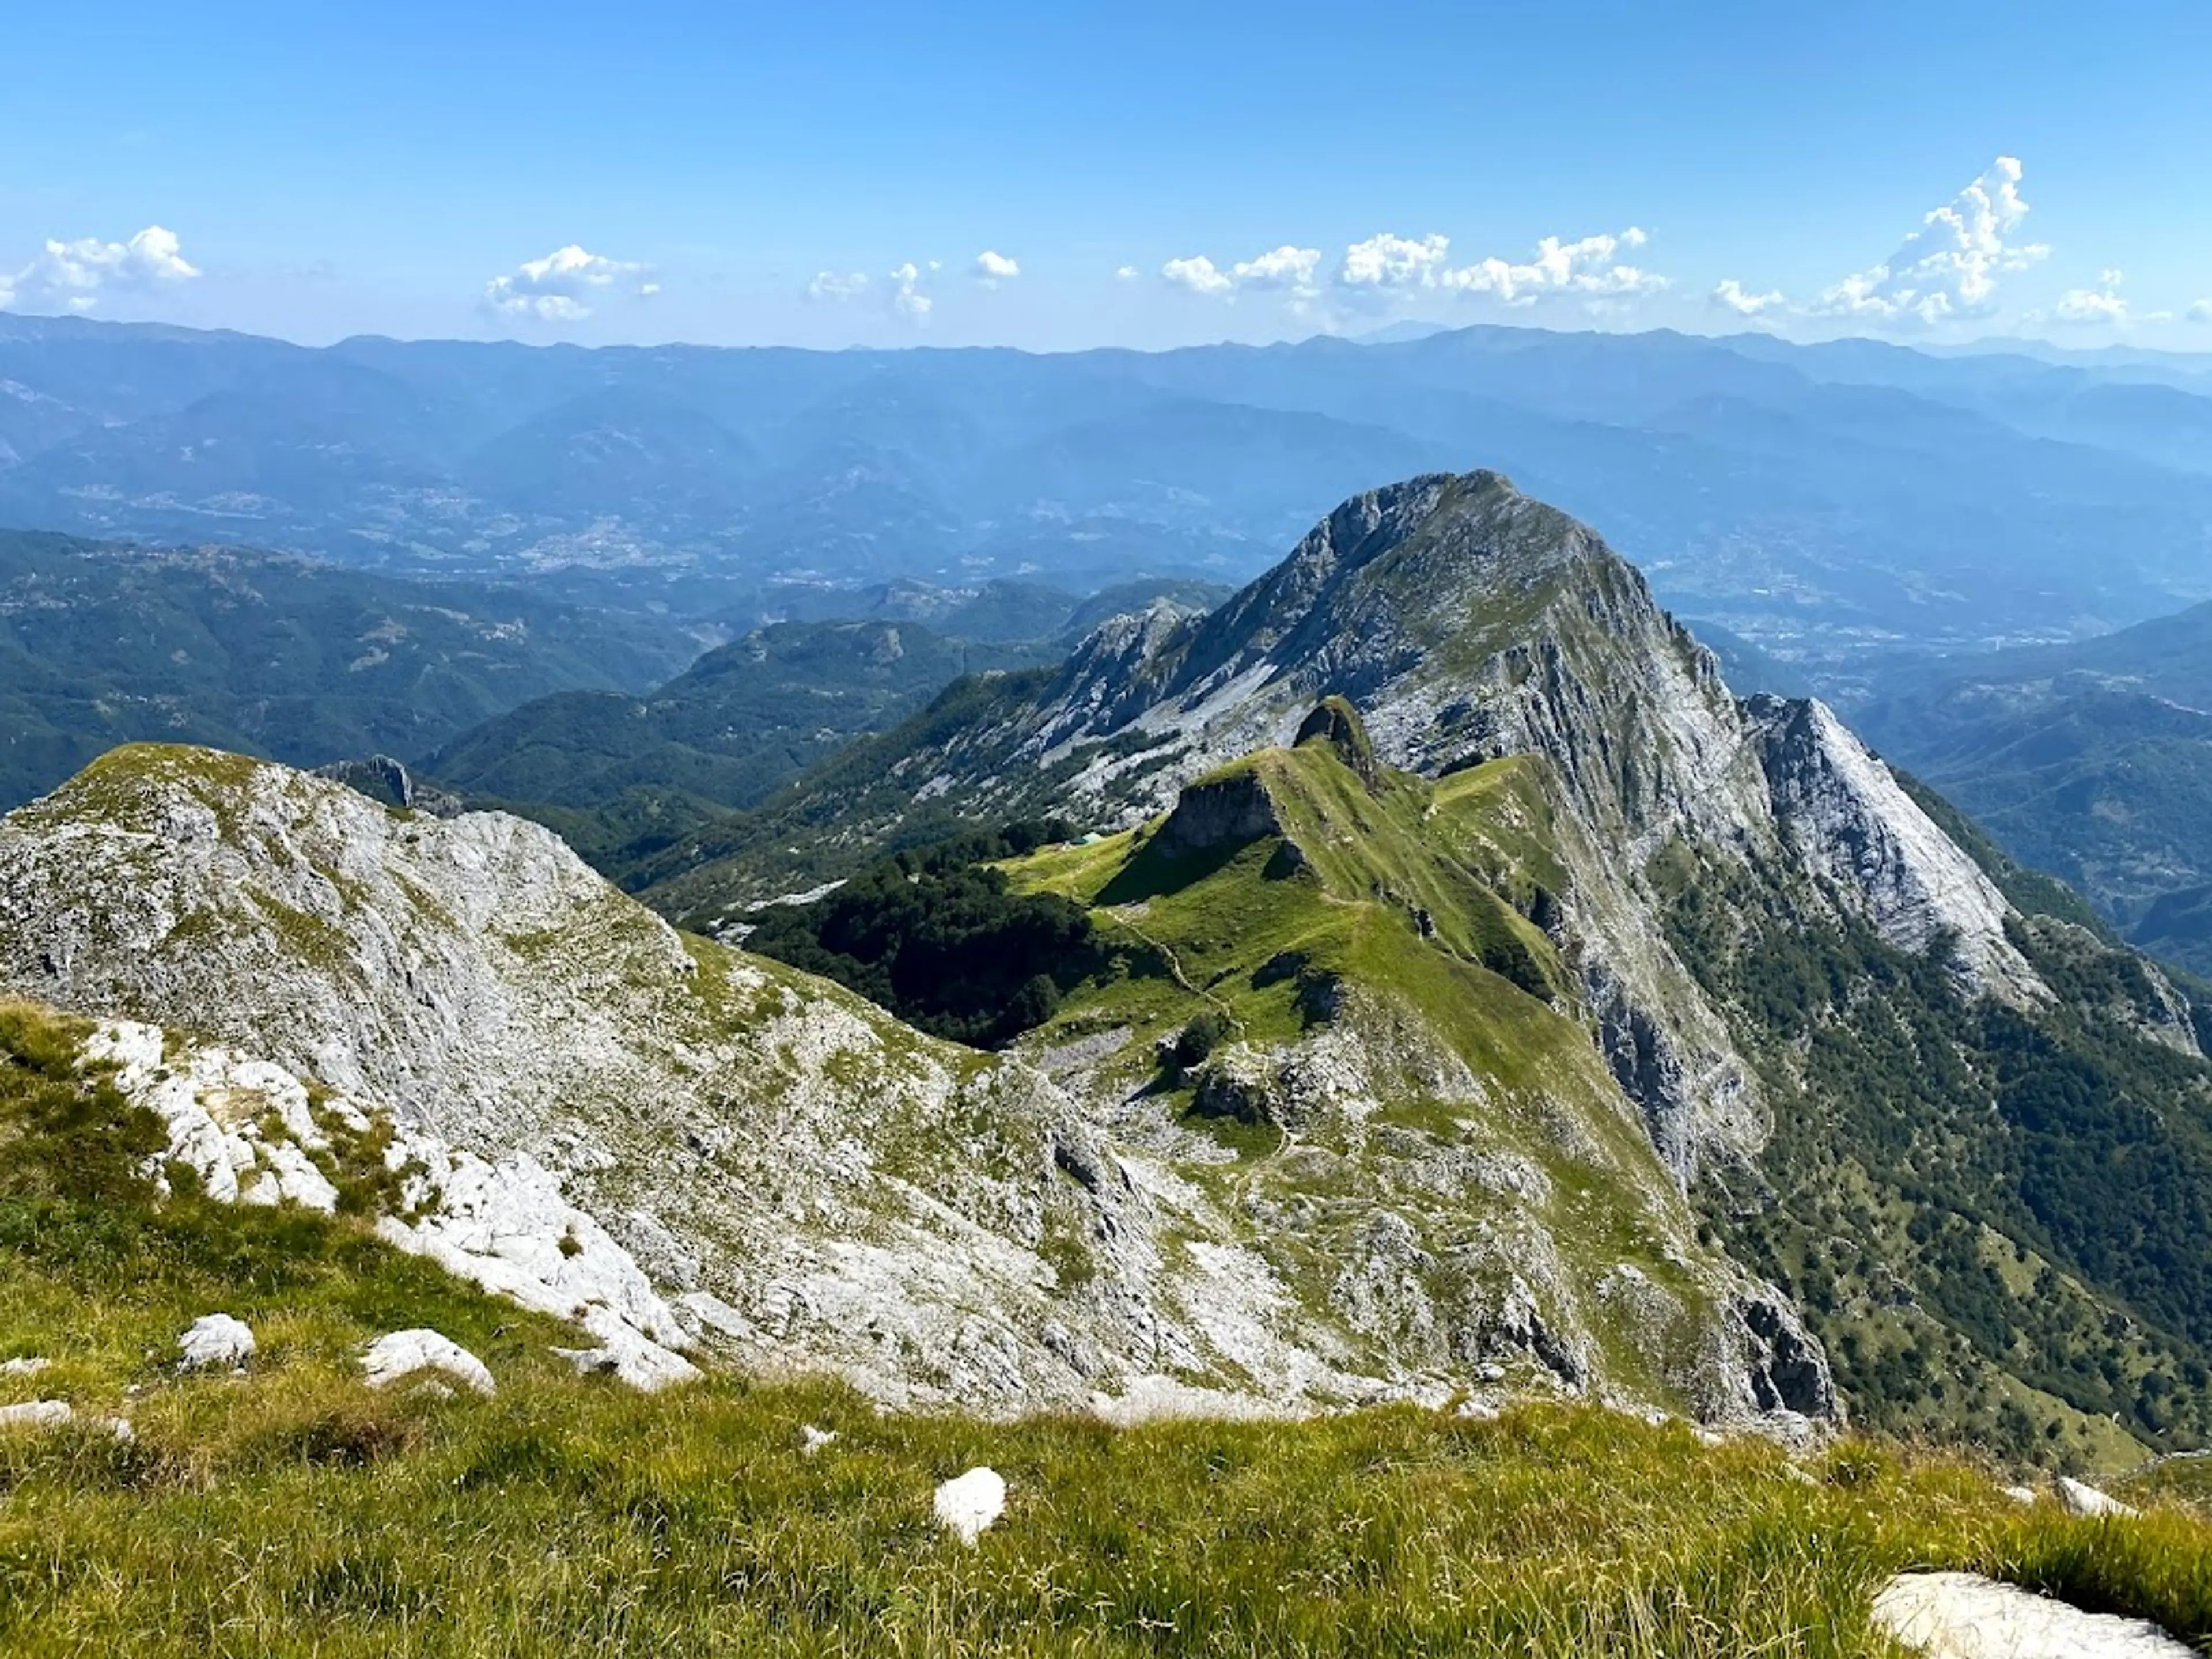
column 991, row 268
column 907, row 298
column 1949, row 267
column 2104, row 303
column 1286, row 270
column 903, row 287
column 1388, row 261
column 1592, row 266
column 1128, row 274
column 1733, row 295
column 76, row 275
column 1197, row 274
column 562, row 287
column 833, row 285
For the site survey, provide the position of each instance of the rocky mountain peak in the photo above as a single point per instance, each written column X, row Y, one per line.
column 1466, row 623
column 763, row 1166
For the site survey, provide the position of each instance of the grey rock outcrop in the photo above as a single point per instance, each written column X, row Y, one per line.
column 696, row 1155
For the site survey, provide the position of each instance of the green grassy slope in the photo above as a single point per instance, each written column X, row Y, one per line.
column 732, row 726
column 291, row 1511
column 1396, row 913
column 1253, row 931
column 1994, row 1218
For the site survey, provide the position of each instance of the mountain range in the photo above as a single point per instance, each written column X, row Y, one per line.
column 1820, row 500
column 299, row 660
column 1473, row 993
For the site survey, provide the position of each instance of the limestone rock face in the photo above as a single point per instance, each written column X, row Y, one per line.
column 1219, row 816
column 1860, row 835
column 1464, row 621
column 699, row 1157
column 677, row 1144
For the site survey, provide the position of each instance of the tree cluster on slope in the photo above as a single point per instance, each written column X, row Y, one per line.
column 938, row 936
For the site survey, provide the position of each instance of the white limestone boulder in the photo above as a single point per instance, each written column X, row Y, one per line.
column 1962, row 1615
column 404, row 1354
column 216, row 1342
column 36, row 1414
column 968, row 1504
column 2080, row 1499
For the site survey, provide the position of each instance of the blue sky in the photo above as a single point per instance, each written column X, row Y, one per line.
column 1158, row 174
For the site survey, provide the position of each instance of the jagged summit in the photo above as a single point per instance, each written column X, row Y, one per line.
column 1466, row 623
column 1439, row 579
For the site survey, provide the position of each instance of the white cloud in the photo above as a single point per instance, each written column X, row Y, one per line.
column 559, row 288
column 902, row 289
column 1198, row 274
column 1593, row 267
column 1128, row 274
column 907, row 298
column 991, row 268
column 2201, row 312
column 1732, row 295
column 1948, row 268
column 2103, row 304
column 1589, row 266
column 831, row 285
column 1386, row 261
column 1286, row 270
column 75, row 275
column 1286, row 267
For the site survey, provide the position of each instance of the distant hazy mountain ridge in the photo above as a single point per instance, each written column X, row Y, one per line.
column 1806, row 497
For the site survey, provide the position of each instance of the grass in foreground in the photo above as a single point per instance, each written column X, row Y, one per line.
column 298, row 1514
column 293, row 1510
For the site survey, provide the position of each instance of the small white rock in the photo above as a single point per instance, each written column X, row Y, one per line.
column 2080, row 1499
column 1959, row 1615
column 1477, row 1411
column 402, row 1353
column 215, row 1340
column 121, row 1429
column 968, row 1503
column 1492, row 1373
column 23, row 1367
column 812, row 1440
column 37, row 1414
column 1709, row 1437
column 2021, row 1495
